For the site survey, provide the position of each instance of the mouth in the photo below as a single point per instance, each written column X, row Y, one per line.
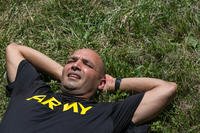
column 74, row 76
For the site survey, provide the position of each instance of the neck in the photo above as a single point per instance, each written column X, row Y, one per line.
column 78, row 93
column 75, row 94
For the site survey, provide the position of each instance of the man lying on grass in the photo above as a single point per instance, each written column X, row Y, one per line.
column 34, row 108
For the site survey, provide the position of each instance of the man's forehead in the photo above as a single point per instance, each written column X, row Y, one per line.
column 85, row 50
column 86, row 54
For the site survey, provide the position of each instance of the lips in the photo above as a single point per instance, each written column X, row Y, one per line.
column 74, row 76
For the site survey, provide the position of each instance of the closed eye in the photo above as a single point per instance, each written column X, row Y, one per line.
column 88, row 63
column 70, row 60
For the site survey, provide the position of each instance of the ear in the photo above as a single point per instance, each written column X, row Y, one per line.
column 102, row 83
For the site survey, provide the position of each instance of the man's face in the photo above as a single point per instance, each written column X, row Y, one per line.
column 82, row 72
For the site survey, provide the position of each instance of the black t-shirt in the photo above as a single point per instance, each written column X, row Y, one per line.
column 33, row 108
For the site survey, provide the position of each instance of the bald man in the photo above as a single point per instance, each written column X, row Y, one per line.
column 34, row 108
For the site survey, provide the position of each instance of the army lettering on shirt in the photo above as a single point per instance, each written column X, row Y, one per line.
column 52, row 102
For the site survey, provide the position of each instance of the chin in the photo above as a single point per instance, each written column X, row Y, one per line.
column 69, row 87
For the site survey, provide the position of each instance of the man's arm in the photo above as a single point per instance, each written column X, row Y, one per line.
column 158, row 93
column 16, row 53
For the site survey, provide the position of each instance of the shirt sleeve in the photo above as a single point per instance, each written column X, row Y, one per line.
column 123, row 112
column 28, row 81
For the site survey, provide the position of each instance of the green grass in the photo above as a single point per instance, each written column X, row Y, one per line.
column 135, row 38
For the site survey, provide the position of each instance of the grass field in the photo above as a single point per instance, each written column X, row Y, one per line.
column 135, row 38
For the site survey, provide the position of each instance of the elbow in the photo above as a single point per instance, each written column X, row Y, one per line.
column 172, row 88
column 10, row 47
column 12, row 44
column 13, row 52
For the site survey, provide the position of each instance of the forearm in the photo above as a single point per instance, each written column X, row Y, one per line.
column 136, row 84
column 141, row 84
column 39, row 60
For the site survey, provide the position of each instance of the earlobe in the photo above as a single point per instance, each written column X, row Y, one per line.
column 102, row 84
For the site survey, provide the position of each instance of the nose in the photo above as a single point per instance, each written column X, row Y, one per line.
column 76, row 65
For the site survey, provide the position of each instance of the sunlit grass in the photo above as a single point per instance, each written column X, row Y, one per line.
column 135, row 38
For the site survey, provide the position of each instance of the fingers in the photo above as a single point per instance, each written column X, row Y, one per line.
column 110, row 83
